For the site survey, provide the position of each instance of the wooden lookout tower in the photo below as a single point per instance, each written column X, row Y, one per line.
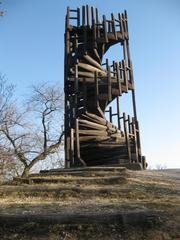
column 90, row 85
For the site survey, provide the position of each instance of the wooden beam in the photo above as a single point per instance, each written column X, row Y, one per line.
column 109, row 84
column 127, row 137
column 105, row 29
column 87, row 15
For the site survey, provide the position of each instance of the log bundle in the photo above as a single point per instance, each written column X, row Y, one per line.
column 91, row 84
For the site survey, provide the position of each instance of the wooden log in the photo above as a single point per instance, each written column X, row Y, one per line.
column 96, row 89
column 92, row 16
column 126, row 23
column 121, row 25
column 76, row 89
column 87, row 123
column 78, row 17
column 110, row 114
column 92, row 132
column 83, row 15
column 118, row 79
column 91, row 69
column 100, row 120
column 135, row 139
column 85, row 93
column 97, row 23
column 93, row 62
column 68, row 160
column 105, row 29
column 125, row 75
column 95, row 138
column 127, row 137
column 114, row 26
column 97, row 55
column 87, row 15
column 85, row 74
column 109, row 84
column 118, row 112
column 67, row 17
column 77, row 139
column 72, row 146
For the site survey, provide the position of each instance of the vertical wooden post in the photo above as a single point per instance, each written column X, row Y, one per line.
column 109, row 26
column 92, row 16
column 125, row 74
column 76, row 90
column 87, row 15
column 97, row 23
column 77, row 140
column 129, row 124
column 109, row 84
column 83, row 15
column 85, row 93
column 105, row 29
column 118, row 79
column 118, row 112
column 114, row 26
column 93, row 27
column 110, row 114
column 67, row 17
column 72, row 147
column 121, row 25
column 138, row 140
column 96, row 89
column 127, row 137
column 135, row 139
column 78, row 17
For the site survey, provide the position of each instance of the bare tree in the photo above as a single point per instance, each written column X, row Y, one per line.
column 33, row 132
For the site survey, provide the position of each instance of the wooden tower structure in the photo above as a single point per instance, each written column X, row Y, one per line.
column 90, row 85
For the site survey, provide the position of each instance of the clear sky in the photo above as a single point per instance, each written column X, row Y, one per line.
column 32, row 50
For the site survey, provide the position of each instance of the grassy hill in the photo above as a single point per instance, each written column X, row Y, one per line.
column 93, row 203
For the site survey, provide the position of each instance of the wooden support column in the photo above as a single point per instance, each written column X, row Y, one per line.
column 83, row 16
column 110, row 114
column 118, row 78
column 77, row 140
column 125, row 75
column 138, row 140
column 76, row 89
column 97, row 23
column 121, row 25
column 135, row 140
column 96, row 89
column 114, row 26
column 78, row 17
column 72, row 147
column 127, row 137
column 109, row 84
column 67, row 17
column 118, row 112
column 105, row 29
column 87, row 15
column 85, row 93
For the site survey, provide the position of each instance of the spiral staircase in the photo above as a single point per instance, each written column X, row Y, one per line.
column 90, row 86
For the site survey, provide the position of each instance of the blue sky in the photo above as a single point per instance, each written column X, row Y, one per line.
column 32, row 51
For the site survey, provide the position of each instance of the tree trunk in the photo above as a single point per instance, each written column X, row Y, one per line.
column 26, row 171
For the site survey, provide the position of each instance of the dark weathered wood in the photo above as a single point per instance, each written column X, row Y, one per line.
column 83, row 15
column 78, row 17
column 109, row 85
column 91, row 86
column 87, row 15
column 114, row 26
column 118, row 112
column 126, row 136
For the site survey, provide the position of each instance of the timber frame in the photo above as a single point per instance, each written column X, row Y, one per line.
column 90, row 85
